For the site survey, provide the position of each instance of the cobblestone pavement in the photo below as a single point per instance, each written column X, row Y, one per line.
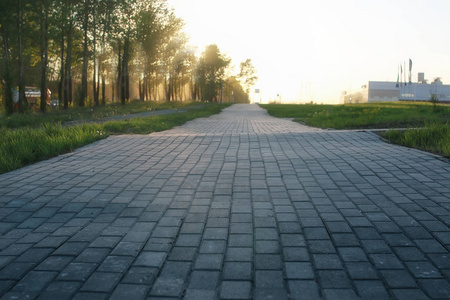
column 237, row 206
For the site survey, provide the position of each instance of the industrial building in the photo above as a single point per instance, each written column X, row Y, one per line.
column 382, row 91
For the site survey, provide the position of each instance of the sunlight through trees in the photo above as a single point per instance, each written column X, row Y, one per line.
column 91, row 52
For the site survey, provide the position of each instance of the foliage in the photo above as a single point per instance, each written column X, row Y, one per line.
column 233, row 91
column 210, row 72
column 434, row 137
column 435, row 102
column 24, row 146
column 90, row 52
column 367, row 115
column 247, row 75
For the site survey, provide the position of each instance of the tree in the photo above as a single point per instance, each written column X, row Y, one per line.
column 6, row 30
column 84, row 87
column 20, row 60
column 233, row 91
column 247, row 75
column 210, row 72
column 44, row 7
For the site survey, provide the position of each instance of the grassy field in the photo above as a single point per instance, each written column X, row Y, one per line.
column 27, row 145
column 368, row 115
column 428, row 124
column 87, row 113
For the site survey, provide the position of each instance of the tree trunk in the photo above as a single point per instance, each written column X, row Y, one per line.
column 119, row 70
column 84, row 89
column 61, row 72
column 8, row 100
column 113, row 89
column 68, row 75
column 95, row 77
column 125, row 87
column 44, row 55
column 20, row 61
column 103, row 90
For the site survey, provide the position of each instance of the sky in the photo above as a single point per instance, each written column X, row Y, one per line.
column 313, row 50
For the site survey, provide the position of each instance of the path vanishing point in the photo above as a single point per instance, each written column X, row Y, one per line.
column 240, row 205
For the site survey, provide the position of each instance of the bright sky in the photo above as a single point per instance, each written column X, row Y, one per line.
column 315, row 49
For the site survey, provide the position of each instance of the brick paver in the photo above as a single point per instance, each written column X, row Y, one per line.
column 236, row 206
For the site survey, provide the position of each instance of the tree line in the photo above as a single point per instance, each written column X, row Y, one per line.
column 84, row 47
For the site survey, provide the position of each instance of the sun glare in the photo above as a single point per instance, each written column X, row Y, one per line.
column 312, row 50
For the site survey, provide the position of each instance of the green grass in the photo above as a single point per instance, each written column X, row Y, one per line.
column 367, row 115
column 433, row 119
column 23, row 146
column 434, row 138
column 87, row 113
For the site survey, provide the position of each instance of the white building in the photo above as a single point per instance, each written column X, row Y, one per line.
column 381, row 91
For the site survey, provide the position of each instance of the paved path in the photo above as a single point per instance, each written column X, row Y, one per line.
column 237, row 206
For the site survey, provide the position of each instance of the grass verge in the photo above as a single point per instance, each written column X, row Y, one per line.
column 24, row 146
column 367, row 115
column 87, row 113
column 434, row 118
column 434, row 138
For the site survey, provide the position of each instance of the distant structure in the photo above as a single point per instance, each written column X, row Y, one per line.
column 381, row 91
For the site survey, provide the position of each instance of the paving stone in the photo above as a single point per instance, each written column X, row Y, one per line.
column 375, row 246
column 15, row 270
column 409, row 254
column 183, row 254
column 239, row 270
column 408, row 294
column 423, row 269
column 239, row 254
column 236, row 290
column 386, row 261
column 240, row 240
column 321, row 247
column 212, row 246
column 398, row 279
column 330, row 279
column 54, row 263
column 95, row 255
column 209, row 261
column 204, row 280
column 129, row 291
column 34, row 281
column 352, row 254
column 150, row 259
column 140, row 275
column 299, row 270
column 269, row 279
column 269, row 293
column 327, row 261
column 167, row 287
column 331, row 294
column 77, row 271
column 194, row 294
column 436, row 288
column 101, row 282
column 116, row 264
column 60, row 290
column 304, row 289
column 371, row 289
